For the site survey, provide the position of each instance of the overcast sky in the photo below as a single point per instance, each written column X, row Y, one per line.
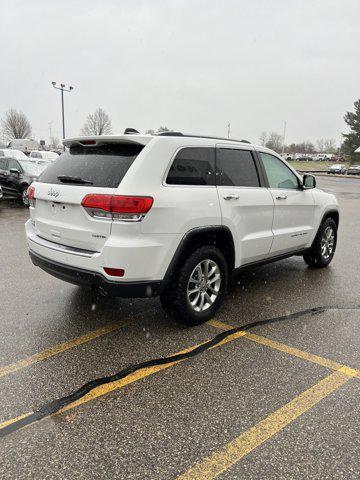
column 193, row 66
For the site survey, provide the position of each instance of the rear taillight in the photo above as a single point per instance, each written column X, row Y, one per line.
column 114, row 272
column 117, row 207
column 31, row 195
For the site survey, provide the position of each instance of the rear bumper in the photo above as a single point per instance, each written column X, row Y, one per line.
column 87, row 278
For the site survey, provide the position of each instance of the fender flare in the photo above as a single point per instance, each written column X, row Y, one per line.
column 185, row 241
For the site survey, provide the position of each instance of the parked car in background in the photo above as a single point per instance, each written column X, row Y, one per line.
column 25, row 145
column 6, row 152
column 175, row 216
column 43, row 155
column 354, row 170
column 17, row 175
column 337, row 168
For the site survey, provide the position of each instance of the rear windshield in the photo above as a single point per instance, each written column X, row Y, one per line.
column 102, row 166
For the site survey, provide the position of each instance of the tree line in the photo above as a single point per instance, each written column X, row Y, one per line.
column 274, row 141
column 15, row 124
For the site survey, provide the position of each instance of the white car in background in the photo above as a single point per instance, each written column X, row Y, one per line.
column 43, row 155
column 10, row 153
column 339, row 168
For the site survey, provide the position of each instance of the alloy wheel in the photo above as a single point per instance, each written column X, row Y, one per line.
column 204, row 285
column 327, row 242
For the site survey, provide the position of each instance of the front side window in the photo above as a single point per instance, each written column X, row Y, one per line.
column 13, row 164
column 193, row 166
column 237, row 168
column 278, row 174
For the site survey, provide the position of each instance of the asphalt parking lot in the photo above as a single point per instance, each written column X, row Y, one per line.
column 276, row 401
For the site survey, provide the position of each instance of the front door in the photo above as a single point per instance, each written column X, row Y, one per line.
column 294, row 210
column 4, row 174
column 246, row 206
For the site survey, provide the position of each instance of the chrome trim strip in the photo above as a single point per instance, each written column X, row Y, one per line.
column 60, row 248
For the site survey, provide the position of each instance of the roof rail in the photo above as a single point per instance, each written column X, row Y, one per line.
column 179, row 134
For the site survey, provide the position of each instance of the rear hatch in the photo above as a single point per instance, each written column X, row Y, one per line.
column 60, row 189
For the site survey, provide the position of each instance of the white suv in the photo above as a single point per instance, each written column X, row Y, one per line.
column 173, row 215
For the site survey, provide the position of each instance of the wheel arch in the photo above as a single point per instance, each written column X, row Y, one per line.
column 334, row 214
column 219, row 236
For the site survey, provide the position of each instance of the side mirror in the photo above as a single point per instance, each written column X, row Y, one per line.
column 15, row 171
column 309, row 181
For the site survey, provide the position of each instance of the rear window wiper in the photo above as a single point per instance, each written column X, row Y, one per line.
column 69, row 179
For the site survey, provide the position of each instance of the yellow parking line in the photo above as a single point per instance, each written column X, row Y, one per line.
column 102, row 390
column 62, row 347
column 218, row 462
column 324, row 362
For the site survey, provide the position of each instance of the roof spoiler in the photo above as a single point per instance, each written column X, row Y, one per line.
column 130, row 131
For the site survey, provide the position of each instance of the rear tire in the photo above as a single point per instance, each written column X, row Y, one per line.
column 198, row 287
column 324, row 246
column 24, row 198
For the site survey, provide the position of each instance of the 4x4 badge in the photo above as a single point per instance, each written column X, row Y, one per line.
column 53, row 193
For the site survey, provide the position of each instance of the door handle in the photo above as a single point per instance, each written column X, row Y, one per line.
column 231, row 196
column 281, row 196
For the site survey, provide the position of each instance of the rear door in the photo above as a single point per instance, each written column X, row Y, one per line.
column 246, row 205
column 294, row 208
column 60, row 189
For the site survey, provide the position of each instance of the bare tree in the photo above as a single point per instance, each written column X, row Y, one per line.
column 263, row 138
column 330, row 145
column 275, row 142
column 55, row 143
column 15, row 124
column 320, row 145
column 97, row 123
column 163, row 129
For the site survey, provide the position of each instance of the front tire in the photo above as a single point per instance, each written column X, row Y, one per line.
column 196, row 291
column 324, row 246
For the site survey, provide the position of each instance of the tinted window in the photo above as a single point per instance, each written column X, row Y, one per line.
column 3, row 163
column 237, row 168
column 193, row 166
column 35, row 155
column 104, row 166
column 278, row 174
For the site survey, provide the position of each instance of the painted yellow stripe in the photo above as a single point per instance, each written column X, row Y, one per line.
column 218, row 462
column 13, row 420
column 134, row 377
column 62, row 347
column 324, row 362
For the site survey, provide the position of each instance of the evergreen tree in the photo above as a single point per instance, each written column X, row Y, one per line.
column 352, row 139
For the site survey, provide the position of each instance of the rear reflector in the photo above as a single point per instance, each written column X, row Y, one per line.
column 114, row 272
column 117, row 207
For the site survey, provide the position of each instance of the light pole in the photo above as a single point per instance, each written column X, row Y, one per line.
column 283, row 145
column 63, row 89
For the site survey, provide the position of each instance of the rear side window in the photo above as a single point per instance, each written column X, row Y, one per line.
column 103, row 166
column 237, row 168
column 193, row 166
